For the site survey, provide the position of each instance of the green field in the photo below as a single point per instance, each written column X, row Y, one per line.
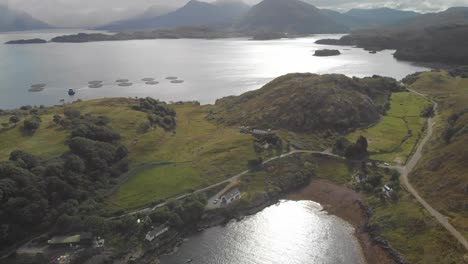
column 202, row 153
column 47, row 141
column 394, row 136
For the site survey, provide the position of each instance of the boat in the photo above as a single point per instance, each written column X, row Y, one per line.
column 189, row 260
column 151, row 82
column 147, row 79
column 71, row 92
column 95, row 86
column 122, row 81
column 177, row 81
column 172, row 78
column 94, row 82
column 125, row 84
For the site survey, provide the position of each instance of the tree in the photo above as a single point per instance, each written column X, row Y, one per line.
column 32, row 124
column 254, row 164
column 14, row 119
column 358, row 150
column 72, row 113
column 26, row 160
column 57, row 119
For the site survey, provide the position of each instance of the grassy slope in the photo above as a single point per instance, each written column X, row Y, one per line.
column 200, row 152
column 394, row 136
column 48, row 141
column 442, row 174
column 405, row 224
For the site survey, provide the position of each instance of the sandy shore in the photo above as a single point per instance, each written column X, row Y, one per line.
column 345, row 203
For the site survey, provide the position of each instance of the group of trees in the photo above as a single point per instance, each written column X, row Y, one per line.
column 36, row 194
column 159, row 114
column 352, row 151
column 180, row 214
column 267, row 142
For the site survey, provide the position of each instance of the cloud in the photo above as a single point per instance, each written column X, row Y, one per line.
column 85, row 13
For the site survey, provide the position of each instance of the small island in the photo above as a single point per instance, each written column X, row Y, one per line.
column 326, row 53
column 27, row 41
column 269, row 36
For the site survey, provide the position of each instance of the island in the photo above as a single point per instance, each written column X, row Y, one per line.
column 269, row 36
column 27, row 41
column 326, row 53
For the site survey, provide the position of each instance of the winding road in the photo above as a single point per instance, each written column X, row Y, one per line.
column 406, row 170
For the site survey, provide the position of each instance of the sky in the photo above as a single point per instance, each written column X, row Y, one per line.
column 88, row 13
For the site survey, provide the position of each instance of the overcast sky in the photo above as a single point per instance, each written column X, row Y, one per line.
column 76, row 13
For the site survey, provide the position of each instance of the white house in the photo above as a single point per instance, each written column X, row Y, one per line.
column 231, row 196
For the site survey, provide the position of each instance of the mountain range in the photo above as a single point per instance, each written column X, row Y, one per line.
column 194, row 13
column 288, row 16
column 12, row 20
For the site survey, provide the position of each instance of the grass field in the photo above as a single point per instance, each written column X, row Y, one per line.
column 201, row 152
column 393, row 138
column 48, row 141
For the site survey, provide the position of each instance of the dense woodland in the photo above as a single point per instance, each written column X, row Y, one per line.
column 35, row 193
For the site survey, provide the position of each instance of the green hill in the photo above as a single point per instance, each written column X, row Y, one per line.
column 304, row 102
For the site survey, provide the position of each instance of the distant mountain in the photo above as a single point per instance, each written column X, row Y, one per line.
column 454, row 15
column 194, row 13
column 292, row 16
column 12, row 20
column 357, row 19
column 380, row 16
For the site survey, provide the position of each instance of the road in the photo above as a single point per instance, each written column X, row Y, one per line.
column 230, row 180
column 406, row 170
column 235, row 179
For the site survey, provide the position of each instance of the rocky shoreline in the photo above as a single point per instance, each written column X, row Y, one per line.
column 347, row 204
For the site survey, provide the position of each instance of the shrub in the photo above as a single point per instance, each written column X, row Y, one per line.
column 32, row 124
column 14, row 119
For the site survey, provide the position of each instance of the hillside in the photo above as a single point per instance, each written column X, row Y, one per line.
column 195, row 13
column 439, row 37
column 309, row 102
column 442, row 177
column 12, row 20
column 291, row 16
column 358, row 19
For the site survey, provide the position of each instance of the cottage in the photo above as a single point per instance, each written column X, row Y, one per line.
column 156, row 232
column 231, row 196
